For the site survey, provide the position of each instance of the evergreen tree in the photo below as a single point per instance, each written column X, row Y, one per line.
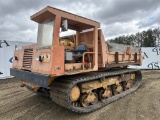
column 149, row 38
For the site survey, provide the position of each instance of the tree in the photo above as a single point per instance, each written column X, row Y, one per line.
column 149, row 38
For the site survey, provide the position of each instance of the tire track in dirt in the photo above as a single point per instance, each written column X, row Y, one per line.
column 45, row 107
column 42, row 114
column 21, row 108
column 10, row 91
column 50, row 109
column 54, row 114
column 14, row 98
column 19, row 114
column 15, row 105
column 6, row 87
column 10, row 95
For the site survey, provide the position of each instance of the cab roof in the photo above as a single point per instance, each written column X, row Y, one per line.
column 74, row 21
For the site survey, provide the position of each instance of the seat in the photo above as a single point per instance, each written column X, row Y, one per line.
column 81, row 49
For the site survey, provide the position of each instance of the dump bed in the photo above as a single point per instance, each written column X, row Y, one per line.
column 119, row 55
column 114, row 47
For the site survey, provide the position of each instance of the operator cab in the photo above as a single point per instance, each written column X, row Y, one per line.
column 80, row 45
column 73, row 52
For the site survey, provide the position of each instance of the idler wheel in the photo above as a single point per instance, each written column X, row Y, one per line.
column 75, row 93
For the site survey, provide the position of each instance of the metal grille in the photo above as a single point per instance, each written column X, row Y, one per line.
column 27, row 58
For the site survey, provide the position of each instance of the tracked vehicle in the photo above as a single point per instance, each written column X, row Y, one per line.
column 81, row 71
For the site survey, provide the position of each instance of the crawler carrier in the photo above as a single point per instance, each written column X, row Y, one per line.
column 80, row 72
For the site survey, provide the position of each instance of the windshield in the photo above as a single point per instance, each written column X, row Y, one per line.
column 45, row 33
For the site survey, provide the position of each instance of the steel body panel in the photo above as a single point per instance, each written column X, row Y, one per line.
column 35, row 78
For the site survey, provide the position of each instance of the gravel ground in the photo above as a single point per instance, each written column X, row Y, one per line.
column 18, row 103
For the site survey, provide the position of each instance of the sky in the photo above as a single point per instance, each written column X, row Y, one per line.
column 117, row 17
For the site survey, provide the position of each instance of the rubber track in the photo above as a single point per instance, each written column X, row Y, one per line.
column 60, row 90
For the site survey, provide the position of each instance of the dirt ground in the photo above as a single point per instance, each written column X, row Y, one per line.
column 18, row 103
